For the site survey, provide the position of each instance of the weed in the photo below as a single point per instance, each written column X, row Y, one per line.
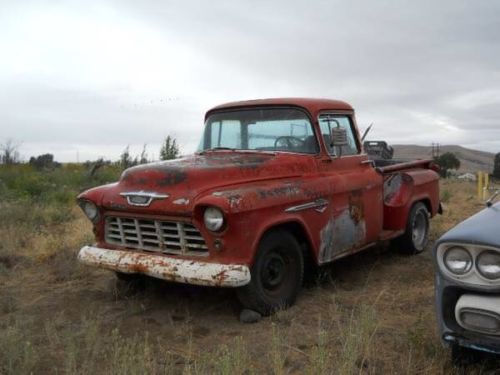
column 233, row 360
column 446, row 195
column 357, row 339
column 283, row 316
column 278, row 352
column 320, row 358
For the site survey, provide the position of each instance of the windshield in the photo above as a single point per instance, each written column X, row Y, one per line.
column 264, row 129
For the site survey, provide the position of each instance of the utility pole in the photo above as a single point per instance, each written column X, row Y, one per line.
column 435, row 150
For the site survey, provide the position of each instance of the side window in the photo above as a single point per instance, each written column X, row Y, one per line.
column 329, row 121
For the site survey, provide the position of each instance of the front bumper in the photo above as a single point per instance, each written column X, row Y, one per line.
column 477, row 342
column 451, row 329
column 166, row 268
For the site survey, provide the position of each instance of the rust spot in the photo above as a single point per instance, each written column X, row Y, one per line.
column 138, row 268
column 356, row 206
column 173, row 176
column 287, row 190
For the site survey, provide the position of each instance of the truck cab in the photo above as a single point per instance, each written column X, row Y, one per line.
column 274, row 184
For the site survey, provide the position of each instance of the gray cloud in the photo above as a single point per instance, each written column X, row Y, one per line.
column 100, row 76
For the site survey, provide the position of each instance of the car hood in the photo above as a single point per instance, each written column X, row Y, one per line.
column 482, row 228
column 184, row 179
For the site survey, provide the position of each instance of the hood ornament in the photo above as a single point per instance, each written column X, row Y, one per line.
column 142, row 198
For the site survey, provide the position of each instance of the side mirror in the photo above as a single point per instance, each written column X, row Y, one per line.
column 339, row 137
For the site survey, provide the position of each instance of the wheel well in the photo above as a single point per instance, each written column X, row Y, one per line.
column 300, row 234
column 427, row 204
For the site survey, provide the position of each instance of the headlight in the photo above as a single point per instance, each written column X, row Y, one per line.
column 458, row 260
column 488, row 264
column 214, row 219
column 90, row 209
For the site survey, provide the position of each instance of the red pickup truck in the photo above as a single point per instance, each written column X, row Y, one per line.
column 275, row 185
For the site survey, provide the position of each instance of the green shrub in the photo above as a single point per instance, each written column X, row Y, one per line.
column 60, row 185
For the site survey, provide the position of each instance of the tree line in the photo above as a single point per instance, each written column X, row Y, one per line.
column 9, row 154
column 449, row 161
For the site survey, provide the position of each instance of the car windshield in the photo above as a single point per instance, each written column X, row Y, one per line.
column 263, row 129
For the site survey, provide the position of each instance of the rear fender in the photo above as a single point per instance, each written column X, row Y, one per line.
column 403, row 189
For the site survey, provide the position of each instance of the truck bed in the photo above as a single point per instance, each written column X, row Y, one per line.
column 396, row 165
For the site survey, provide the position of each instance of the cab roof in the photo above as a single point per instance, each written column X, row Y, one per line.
column 313, row 105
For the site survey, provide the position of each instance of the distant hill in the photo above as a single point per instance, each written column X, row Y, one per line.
column 470, row 160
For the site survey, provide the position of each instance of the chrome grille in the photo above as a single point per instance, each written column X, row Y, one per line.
column 169, row 237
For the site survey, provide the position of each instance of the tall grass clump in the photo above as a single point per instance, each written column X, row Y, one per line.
column 18, row 354
column 233, row 360
column 278, row 353
column 345, row 346
column 357, row 337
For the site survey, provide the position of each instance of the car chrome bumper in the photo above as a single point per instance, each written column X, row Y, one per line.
column 166, row 268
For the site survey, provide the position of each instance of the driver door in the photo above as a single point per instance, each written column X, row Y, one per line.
column 355, row 195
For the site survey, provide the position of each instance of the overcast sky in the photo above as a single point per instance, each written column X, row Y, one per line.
column 88, row 78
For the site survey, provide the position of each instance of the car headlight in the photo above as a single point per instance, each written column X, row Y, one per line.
column 488, row 264
column 213, row 218
column 457, row 260
column 90, row 209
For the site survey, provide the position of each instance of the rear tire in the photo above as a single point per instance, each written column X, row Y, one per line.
column 276, row 275
column 416, row 235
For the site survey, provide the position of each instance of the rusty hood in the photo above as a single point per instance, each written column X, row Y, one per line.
column 181, row 181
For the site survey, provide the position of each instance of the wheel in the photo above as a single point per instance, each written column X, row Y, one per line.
column 462, row 357
column 276, row 275
column 416, row 235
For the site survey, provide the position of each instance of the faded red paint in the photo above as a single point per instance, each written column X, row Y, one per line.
column 256, row 190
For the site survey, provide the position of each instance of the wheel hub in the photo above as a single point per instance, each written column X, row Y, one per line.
column 419, row 229
column 274, row 272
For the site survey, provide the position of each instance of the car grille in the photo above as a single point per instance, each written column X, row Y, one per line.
column 169, row 237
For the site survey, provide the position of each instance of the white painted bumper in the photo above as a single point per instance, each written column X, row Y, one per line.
column 166, row 268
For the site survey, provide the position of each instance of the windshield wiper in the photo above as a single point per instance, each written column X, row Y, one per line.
column 217, row 149
column 237, row 149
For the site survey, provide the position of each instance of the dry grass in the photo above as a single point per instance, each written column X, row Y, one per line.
column 370, row 314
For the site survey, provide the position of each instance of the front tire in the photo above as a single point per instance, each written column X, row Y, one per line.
column 416, row 235
column 277, row 274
